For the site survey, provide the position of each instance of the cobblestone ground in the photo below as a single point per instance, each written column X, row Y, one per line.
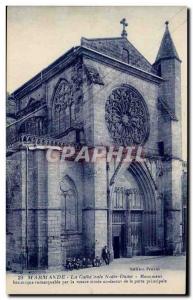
column 140, row 263
column 165, row 263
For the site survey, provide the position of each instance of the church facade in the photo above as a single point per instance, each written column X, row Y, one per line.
column 103, row 93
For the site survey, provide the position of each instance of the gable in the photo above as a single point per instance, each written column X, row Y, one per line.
column 120, row 49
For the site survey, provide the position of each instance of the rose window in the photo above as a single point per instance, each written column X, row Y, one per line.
column 127, row 117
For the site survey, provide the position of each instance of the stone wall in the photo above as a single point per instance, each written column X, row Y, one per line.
column 170, row 134
column 113, row 78
column 62, row 243
column 15, row 219
column 170, row 91
column 48, row 244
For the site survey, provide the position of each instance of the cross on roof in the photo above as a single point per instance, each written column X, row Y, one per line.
column 125, row 24
column 167, row 23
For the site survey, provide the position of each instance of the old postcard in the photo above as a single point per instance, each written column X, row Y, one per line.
column 96, row 150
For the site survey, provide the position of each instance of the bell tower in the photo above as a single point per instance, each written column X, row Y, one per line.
column 168, row 65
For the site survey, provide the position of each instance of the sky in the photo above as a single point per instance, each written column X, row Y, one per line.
column 37, row 35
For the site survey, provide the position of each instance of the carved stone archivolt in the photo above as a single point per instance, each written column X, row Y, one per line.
column 127, row 116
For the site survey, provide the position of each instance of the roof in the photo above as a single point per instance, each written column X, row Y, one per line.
column 109, row 50
column 119, row 48
column 167, row 48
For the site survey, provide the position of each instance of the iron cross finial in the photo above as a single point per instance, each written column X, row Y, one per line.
column 166, row 23
column 125, row 24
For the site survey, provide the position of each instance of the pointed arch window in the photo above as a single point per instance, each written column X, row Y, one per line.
column 69, row 204
column 62, row 106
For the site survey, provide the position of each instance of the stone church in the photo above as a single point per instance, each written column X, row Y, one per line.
column 101, row 93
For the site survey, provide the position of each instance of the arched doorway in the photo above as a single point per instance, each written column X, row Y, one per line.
column 133, row 212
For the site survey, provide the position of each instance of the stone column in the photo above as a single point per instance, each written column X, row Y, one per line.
column 173, row 208
column 109, row 215
column 95, row 208
column 41, row 205
column 101, row 213
column 109, row 224
column 88, row 212
column 128, row 227
column 54, row 217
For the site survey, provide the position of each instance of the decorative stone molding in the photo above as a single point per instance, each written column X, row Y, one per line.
column 93, row 75
column 32, row 105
